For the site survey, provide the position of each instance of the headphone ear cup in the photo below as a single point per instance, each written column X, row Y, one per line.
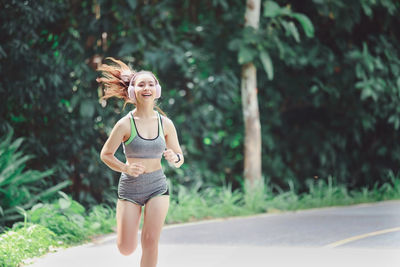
column 158, row 91
column 131, row 93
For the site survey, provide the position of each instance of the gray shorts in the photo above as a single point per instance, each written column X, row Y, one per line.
column 142, row 188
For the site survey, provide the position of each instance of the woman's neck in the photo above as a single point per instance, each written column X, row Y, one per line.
column 144, row 111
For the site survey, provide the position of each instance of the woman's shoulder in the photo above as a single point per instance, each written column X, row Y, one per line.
column 124, row 122
column 166, row 121
column 168, row 125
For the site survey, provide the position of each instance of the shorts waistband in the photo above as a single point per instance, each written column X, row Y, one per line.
column 147, row 174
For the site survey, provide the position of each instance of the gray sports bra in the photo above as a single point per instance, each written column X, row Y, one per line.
column 139, row 147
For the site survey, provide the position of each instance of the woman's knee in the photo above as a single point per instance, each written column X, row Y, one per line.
column 127, row 249
column 149, row 240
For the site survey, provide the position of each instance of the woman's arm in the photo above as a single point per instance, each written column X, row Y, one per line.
column 173, row 147
column 111, row 145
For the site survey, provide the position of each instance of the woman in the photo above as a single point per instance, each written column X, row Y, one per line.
column 146, row 136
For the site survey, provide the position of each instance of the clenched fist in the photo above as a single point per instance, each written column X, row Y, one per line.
column 170, row 156
column 134, row 169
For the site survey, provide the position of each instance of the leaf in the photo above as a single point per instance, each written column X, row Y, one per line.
column 2, row 53
column 62, row 194
column 64, row 204
column 245, row 55
column 20, row 210
column 271, row 9
column 50, row 191
column 74, row 100
column 78, row 219
column 368, row 92
column 132, row 4
column 234, row 44
column 314, row 89
column 267, row 63
column 36, row 206
column 305, row 23
column 367, row 9
column 77, row 208
column 291, row 28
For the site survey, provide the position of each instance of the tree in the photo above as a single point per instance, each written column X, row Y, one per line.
column 252, row 141
column 257, row 43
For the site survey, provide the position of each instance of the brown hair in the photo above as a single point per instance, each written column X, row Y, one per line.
column 115, row 81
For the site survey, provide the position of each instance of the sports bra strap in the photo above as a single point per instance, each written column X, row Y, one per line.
column 160, row 126
column 133, row 130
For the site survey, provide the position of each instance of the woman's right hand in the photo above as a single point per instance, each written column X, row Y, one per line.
column 134, row 169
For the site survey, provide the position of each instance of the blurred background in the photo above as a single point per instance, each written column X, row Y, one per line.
column 328, row 97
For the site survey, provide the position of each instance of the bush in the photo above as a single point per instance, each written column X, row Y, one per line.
column 31, row 240
column 19, row 187
column 59, row 224
column 68, row 220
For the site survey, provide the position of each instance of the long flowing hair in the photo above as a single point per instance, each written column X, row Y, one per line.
column 115, row 78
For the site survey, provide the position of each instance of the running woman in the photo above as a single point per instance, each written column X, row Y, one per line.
column 146, row 136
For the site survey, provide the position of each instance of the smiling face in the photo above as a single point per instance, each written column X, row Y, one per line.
column 145, row 87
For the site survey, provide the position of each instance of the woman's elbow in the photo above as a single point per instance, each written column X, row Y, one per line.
column 104, row 155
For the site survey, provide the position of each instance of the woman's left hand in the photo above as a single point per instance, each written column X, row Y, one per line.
column 170, row 156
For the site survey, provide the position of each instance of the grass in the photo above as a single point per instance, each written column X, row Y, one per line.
column 65, row 222
column 29, row 241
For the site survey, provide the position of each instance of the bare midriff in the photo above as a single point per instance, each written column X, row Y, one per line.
column 150, row 165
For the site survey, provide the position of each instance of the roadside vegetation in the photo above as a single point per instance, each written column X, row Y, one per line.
column 193, row 204
column 48, row 226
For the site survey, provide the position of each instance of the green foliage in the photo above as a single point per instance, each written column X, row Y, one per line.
column 215, row 202
column 267, row 64
column 211, row 202
column 20, row 187
column 274, row 11
column 60, row 224
column 255, row 196
column 258, row 42
column 46, row 81
column 64, row 217
column 326, row 193
column 100, row 220
column 336, row 114
column 20, row 243
column 68, row 220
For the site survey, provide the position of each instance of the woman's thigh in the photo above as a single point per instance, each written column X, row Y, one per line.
column 128, row 221
column 155, row 212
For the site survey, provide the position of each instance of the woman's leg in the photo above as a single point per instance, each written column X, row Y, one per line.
column 128, row 220
column 155, row 212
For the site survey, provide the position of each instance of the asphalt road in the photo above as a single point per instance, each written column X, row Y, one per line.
column 360, row 235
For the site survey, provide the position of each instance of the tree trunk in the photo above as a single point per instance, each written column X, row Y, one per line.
column 252, row 142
